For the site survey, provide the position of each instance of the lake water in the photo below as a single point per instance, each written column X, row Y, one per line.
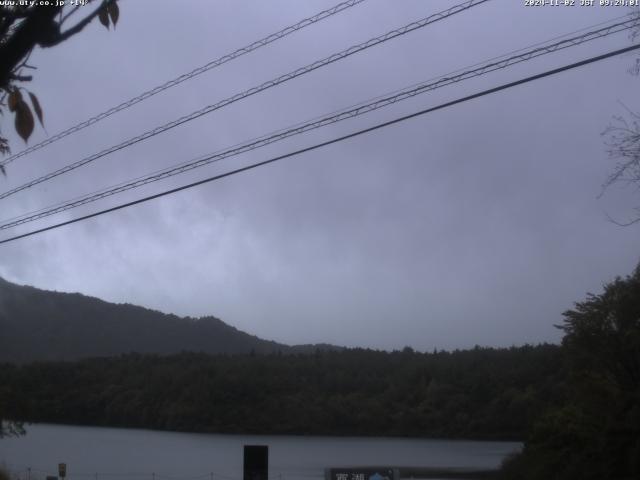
column 125, row 454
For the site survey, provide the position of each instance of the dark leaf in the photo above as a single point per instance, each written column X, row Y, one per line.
column 103, row 16
column 15, row 97
column 24, row 120
column 4, row 172
column 4, row 146
column 114, row 13
column 36, row 107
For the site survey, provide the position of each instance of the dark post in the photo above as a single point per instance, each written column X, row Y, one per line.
column 256, row 462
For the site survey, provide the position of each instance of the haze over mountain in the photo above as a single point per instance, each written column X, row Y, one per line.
column 40, row 325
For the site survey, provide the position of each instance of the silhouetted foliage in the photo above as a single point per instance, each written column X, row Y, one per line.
column 595, row 434
column 23, row 27
column 41, row 325
column 8, row 428
column 622, row 138
column 4, row 475
column 479, row 393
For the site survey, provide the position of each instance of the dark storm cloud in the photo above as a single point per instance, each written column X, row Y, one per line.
column 477, row 224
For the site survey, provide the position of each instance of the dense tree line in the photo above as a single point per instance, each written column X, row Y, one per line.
column 595, row 432
column 478, row 393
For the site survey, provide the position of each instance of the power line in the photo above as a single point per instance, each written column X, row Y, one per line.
column 252, row 91
column 345, row 114
column 331, row 142
column 187, row 76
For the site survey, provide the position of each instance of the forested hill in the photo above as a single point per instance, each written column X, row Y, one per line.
column 43, row 325
column 480, row 393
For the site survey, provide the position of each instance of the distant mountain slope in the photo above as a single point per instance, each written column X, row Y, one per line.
column 43, row 325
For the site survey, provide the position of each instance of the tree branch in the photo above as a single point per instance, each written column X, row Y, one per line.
column 77, row 28
column 37, row 25
column 622, row 224
column 21, row 78
column 71, row 12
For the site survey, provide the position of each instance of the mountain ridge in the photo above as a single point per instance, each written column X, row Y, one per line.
column 44, row 325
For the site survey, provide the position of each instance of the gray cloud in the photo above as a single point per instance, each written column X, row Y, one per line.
column 478, row 224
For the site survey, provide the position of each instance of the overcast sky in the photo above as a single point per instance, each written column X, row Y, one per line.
column 478, row 224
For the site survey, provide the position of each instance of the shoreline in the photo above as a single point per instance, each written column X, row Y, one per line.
column 27, row 423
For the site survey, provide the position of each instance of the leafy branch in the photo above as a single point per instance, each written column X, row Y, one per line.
column 24, row 27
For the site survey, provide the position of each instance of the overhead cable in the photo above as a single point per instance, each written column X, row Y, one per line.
column 379, row 126
column 252, row 91
column 187, row 76
column 355, row 111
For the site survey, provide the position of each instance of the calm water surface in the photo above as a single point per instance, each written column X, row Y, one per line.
column 127, row 454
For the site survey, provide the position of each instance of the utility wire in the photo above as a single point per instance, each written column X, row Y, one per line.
column 358, row 110
column 252, row 91
column 331, row 142
column 187, row 76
